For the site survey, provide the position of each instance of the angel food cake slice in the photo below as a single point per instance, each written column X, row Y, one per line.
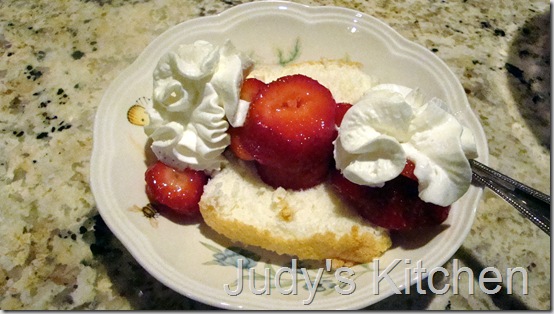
column 310, row 224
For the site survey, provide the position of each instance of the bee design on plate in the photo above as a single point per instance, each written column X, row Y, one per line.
column 149, row 212
column 137, row 114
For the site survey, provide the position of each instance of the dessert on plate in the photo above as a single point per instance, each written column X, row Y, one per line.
column 314, row 159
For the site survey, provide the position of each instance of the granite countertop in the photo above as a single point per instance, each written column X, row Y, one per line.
column 58, row 57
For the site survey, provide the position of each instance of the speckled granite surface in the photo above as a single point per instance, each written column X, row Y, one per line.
column 58, row 57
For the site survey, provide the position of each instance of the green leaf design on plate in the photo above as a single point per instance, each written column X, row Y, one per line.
column 293, row 54
column 210, row 247
column 230, row 256
column 245, row 253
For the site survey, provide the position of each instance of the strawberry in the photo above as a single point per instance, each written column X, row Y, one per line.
column 293, row 178
column 290, row 120
column 408, row 170
column 342, row 108
column 236, row 144
column 250, row 88
column 395, row 206
column 289, row 129
column 177, row 191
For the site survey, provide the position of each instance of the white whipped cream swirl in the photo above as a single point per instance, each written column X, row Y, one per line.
column 392, row 123
column 195, row 97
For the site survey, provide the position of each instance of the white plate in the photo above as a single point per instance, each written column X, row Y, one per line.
column 189, row 258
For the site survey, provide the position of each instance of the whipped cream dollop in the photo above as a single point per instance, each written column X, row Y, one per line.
column 391, row 124
column 195, row 98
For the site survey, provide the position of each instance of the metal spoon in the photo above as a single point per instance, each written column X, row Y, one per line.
column 533, row 204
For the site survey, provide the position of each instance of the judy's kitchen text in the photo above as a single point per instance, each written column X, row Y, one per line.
column 381, row 279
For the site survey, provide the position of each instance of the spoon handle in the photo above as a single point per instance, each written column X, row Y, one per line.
column 533, row 204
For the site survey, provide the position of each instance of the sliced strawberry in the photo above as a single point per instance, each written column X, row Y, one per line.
column 290, row 127
column 236, row 145
column 395, row 206
column 408, row 170
column 179, row 191
column 291, row 120
column 250, row 88
column 342, row 108
column 293, row 178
